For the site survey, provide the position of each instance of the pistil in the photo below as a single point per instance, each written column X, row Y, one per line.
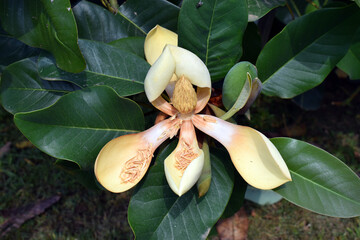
column 184, row 98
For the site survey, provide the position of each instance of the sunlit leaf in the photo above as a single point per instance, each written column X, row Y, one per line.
column 303, row 54
column 45, row 24
column 320, row 181
column 214, row 32
column 106, row 65
column 80, row 123
column 155, row 212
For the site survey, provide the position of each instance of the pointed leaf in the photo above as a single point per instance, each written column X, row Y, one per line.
column 106, row 65
column 320, row 182
column 155, row 212
column 80, row 123
column 258, row 8
column 303, row 54
column 97, row 23
column 146, row 14
column 213, row 31
column 22, row 90
column 49, row 25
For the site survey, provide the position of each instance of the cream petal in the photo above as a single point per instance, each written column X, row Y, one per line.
column 184, row 165
column 123, row 161
column 191, row 66
column 254, row 156
column 156, row 40
column 159, row 75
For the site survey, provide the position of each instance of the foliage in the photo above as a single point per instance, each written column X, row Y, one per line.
column 66, row 71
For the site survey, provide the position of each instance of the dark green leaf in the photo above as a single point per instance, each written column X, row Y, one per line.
column 106, row 65
column 131, row 44
column 147, row 14
column 320, row 182
column 155, row 212
column 258, row 8
column 45, row 24
column 303, row 54
column 22, row 90
column 13, row 50
column 97, row 23
column 357, row 2
column 213, row 32
column 351, row 62
column 80, row 123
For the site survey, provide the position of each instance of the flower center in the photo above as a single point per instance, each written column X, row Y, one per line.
column 184, row 97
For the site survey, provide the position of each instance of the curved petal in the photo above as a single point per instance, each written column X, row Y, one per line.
column 191, row 66
column 203, row 96
column 159, row 75
column 254, row 156
column 184, row 165
column 123, row 161
column 161, row 104
column 156, row 40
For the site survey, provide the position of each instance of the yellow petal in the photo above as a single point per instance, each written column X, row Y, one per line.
column 156, row 40
column 191, row 66
column 254, row 156
column 159, row 75
column 184, row 165
column 123, row 161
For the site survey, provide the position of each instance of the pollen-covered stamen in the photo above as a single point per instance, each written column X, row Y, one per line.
column 184, row 156
column 134, row 167
column 184, row 97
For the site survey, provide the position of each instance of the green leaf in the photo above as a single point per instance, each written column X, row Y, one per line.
column 13, row 50
column 357, row 2
column 147, row 14
column 134, row 45
column 351, row 62
column 80, row 123
column 258, row 8
column 214, row 32
column 155, row 212
column 97, row 23
column 320, row 182
column 304, row 53
column 22, row 90
column 45, row 24
column 106, row 65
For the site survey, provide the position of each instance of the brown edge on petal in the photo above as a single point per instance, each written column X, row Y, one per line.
column 161, row 104
column 203, row 96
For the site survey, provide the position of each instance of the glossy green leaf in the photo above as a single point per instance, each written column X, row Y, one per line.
column 80, row 123
column 147, row 14
column 155, row 212
column 214, row 32
column 13, row 50
column 106, row 65
column 258, row 8
column 357, row 2
column 131, row 44
column 351, row 62
column 45, row 24
column 304, row 53
column 320, row 182
column 22, row 90
column 97, row 23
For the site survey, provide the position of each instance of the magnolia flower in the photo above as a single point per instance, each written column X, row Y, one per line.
column 123, row 161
